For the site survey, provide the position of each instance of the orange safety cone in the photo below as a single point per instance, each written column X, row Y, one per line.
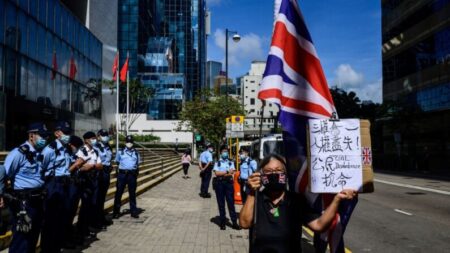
column 237, row 189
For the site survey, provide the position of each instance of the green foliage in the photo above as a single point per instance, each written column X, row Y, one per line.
column 206, row 114
column 142, row 138
column 347, row 104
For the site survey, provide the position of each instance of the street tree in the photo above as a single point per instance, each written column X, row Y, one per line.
column 139, row 98
column 206, row 114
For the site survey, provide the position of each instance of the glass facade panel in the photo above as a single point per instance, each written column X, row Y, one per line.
column 11, row 29
column 2, row 21
column 33, row 8
column 32, row 81
column 23, row 78
column 32, row 39
column 23, row 33
column 42, row 11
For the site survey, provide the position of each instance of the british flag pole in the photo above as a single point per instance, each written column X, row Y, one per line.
column 294, row 80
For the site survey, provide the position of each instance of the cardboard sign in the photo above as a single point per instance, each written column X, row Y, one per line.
column 335, row 159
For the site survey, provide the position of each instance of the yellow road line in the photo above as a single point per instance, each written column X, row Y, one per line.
column 311, row 233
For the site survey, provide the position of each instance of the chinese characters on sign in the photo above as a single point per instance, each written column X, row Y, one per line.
column 335, row 148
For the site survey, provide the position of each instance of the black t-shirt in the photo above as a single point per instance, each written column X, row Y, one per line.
column 281, row 234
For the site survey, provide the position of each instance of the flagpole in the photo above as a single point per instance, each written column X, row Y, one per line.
column 128, row 95
column 117, row 102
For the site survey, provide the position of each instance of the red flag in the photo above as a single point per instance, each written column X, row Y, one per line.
column 54, row 66
column 72, row 69
column 115, row 66
column 123, row 71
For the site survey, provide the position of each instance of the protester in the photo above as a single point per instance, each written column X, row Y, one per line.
column 186, row 160
column 280, row 213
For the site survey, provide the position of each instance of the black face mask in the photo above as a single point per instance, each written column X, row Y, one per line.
column 274, row 182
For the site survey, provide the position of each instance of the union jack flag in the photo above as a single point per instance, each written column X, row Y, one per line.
column 294, row 80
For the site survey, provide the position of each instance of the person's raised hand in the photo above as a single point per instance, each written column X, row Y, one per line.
column 254, row 181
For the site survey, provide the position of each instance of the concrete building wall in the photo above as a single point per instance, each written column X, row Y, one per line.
column 252, row 105
column 165, row 129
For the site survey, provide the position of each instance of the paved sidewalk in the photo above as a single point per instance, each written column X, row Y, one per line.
column 175, row 219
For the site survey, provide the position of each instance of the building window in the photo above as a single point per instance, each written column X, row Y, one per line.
column 252, row 81
column 253, row 90
column 270, row 104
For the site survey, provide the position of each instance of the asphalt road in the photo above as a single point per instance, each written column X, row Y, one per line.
column 414, row 217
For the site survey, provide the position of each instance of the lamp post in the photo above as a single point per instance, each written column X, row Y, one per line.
column 236, row 38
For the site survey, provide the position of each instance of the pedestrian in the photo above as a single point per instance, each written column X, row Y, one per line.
column 88, row 185
column 104, row 176
column 206, row 165
column 58, row 185
column 23, row 167
column 128, row 160
column 223, row 185
column 186, row 160
column 280, row 213
column 247, row 167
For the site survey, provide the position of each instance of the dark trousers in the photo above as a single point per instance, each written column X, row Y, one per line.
column 243, row 184
column 86, row 216
column 225, row 191
column 185, row 168
column 206, row 178
column 57, row 206
column 104, row 179
column 123, row 179
column 26, row 242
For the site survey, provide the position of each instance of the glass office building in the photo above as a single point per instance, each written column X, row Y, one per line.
column 416, row 78
column 213, row 69
column 32, row 34
column 164, row 37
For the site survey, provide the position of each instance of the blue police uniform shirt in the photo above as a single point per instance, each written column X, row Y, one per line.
column 24, row 172
column 56, row 164
column 128, row 159
column 248, row 166
column 224, row 165
column 206, row 157
column 105, row 153
column 2, row 179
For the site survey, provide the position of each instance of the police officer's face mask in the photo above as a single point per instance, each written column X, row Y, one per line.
column 129, row 145
column 274, row 182
column 105, row 139
column 39, row 142
column 243, row 156
column 65, row 139
column 224, row 155
column 93, row 142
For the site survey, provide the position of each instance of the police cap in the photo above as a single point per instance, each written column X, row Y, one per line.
column 244, row 149
column 89, row 135
column 39, row 128
column 223, row 147
column 129, row 139
column 76, row 141
column 64, row 126
column 102, row 132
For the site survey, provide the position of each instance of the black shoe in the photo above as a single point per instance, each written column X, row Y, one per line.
column 222, row 226
column 135, row 215
column 69, row 245
column 207, row 195
column 236, row 226
column 116, row 216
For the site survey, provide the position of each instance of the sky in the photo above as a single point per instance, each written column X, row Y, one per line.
column 346, row 34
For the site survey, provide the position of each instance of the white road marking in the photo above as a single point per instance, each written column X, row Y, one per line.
column 413, row 187
column 403, row 212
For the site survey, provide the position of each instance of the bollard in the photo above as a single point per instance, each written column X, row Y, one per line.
column 162, row 168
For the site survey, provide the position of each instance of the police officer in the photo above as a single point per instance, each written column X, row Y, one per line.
column 105, row 152
column 247, row 167
column 23, row 167
column 223, row 185
column 88, row 176
column 128, row 160
column 205, row 166
column 56, row 163
column 75, row 143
